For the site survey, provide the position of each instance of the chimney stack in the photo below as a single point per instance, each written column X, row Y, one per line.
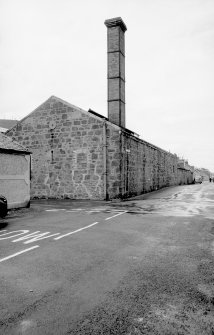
column 116, row 70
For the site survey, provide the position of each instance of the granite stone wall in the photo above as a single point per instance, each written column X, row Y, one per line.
column 81, row 155
column 144, row 167
column 185, row 177
column 113, row 159
column 67, row 151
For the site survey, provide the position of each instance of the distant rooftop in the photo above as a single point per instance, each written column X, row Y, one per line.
column 3, row 130
column 9, row 145
column 7, row 124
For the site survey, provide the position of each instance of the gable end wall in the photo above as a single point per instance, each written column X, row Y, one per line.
column 67, row 160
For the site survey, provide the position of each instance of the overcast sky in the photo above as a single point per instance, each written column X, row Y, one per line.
column 59, row 47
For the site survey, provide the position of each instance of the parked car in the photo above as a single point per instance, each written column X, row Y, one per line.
column 198, row 179
column 3, row 206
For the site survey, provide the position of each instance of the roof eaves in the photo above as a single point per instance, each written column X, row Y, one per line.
column 15, row 151
column 7, row 143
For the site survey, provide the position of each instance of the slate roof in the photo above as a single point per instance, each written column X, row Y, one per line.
column 3, row 130
column 9, row 145
column 4, row 123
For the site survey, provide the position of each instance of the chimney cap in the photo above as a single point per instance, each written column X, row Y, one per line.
column 117, row 21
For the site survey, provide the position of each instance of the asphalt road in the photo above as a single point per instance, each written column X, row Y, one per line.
column 143, row 266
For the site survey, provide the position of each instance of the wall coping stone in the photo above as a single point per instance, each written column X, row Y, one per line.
column 114, row 22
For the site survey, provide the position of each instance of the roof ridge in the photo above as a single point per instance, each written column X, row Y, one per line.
column 94, row 115
column 28, row 115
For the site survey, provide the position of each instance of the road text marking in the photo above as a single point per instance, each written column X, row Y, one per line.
column 10, row 234
column 33, row 237
column 18, row 253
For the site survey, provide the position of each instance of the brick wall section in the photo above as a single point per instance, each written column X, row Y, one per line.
column 116, row 71
column 68, row 160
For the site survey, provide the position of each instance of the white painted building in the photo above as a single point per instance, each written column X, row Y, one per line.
column 15, row 163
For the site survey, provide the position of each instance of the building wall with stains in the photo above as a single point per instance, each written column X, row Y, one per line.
column 67, row 146
column 185, row 176
column 81, row 155
column 144, row 167
column 15, row 179
column 113, row 160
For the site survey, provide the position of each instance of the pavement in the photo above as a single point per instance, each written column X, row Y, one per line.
column 141, row 266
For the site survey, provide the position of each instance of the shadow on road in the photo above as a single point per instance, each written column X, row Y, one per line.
column 3, row 224
column 135, row 208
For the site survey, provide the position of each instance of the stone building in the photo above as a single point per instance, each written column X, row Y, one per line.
column 81, row 154
column 185, row 172
column 14, row 173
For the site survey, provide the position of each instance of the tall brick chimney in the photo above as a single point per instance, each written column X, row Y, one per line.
column 116, row 70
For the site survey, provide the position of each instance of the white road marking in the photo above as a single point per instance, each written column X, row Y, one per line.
column 18, row 253
column 31, row 235
column 20, row 232
column 34, row 237
column 111, row 217
column 93, row 211
column 40, row 237
column 75, row 231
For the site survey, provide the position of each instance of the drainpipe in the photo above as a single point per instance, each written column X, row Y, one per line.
column 30, row 167
column 105, row 162
column 122, row 176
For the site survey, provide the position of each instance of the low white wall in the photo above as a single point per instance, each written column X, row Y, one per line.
column 15, row 179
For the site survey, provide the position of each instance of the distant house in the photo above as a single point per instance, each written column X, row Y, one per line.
column 185, row 172
column 14, row 172
column 197, row 176
column 205, row 174
column 6, row 124
column 202, row 174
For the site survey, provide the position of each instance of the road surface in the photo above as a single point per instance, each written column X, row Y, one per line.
column 142, row 266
